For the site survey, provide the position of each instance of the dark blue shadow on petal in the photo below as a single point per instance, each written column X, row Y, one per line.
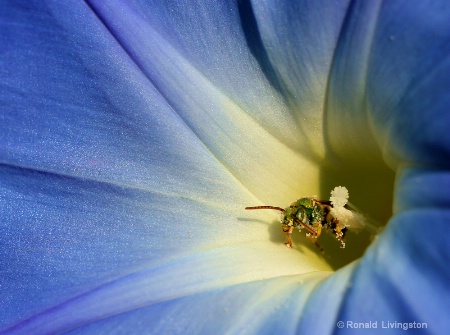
column 255, row 43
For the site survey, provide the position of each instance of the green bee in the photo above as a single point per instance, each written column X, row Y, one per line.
column 315, row 215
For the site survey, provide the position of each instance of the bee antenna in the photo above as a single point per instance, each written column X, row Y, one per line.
column 266, row 207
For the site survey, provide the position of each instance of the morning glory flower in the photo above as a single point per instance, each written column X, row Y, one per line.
column 134, row 133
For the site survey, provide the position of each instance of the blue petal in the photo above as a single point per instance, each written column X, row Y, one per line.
column 409, row 266
column 403, row 276
column 300, row 38
column 98, row 217
column 210, row 78
column 105, row 183
column 263, row 307
column 417, row 113
column 388, row 81
column 388, row 104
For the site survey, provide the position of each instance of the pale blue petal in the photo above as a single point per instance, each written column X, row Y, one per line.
column 300, row 38
column 308, row 43
column 259, row 307
column 212, row 81
column 104, row 102
column 408, row 94
column 63, row 113
column 389, row 82
column 104, row 183
column 264, row 307
column 388, row 105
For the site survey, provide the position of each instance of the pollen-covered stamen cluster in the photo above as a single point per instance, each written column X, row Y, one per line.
column 339, row 196
column 315, row 215
column 341, row 215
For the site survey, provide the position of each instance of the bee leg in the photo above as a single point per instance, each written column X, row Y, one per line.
column 319, row 230
column 288, row 236
column 339, row 235
column 313, row 238
column 288, row 240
